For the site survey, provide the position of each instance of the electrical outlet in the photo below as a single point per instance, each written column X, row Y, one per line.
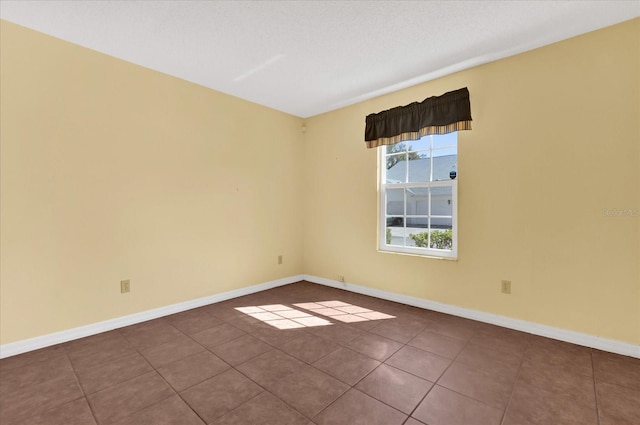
column 279, row 259
column 341, row 278
column 506, row 287
column 125, row 286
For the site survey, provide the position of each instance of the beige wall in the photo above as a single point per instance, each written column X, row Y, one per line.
column 555, row 141
column 111, row 171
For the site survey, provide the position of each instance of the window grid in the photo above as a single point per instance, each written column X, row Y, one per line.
column 388, row 218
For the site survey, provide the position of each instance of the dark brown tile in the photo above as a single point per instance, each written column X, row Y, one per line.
column 172, row 411
column 308, row 391
column 150, row 334
column 168, row 352
column 454, row 327
column 265, row 409
column 12, row 380
column 615, row 369
column 347, row 365
column 436, row 343
column 357, row 408
column 484, row 356
column 218, row 335
column 219, row 395
column 420, row 363
column 270, row 367
column 558, row 381
column 394, row 387
column 240, row 350
column 401, row 330
column 114, row 403
column 339, row 333
column 193, row 321
column 76, row 412
column 309, row 348
column 34, row 399
column 374, row 346
column 445, row 407
column 192, row 370
column 531, row 405
column 572, row 358
column 506, row 343
column 109, row 374
column 619, row 403
column 489, row 386
column 278, row 337
column 97, row 349
column 24, row 359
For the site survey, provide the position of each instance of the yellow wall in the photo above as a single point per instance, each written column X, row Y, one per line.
column 111, row 171
column 555, row 141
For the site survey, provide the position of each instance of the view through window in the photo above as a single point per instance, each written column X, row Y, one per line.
column 418, row 196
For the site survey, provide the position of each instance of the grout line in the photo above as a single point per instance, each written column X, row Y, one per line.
column 515, row 382
column 595, row 392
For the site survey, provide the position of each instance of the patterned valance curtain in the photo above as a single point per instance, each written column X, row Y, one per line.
column 435, row 115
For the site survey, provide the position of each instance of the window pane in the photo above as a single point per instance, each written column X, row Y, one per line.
column 443, row 165
column 441, row 201
column 420, row 145
column 442, row 140
column 441, row 239
column 398, row 147
column 395, row 202
column 418, row 238
column 396, row 168
column 394, row 236
column 395, row 221
column 417, row 201
column 419, row 167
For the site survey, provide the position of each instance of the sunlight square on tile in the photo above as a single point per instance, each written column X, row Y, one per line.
column 327, row 311
column 312, row 321
column 292, row 313
column 375, row 315
column 349, row 318
column 248, row 310
column 333, row 303
column 309, row 306
column 265, row 316
column 284, row 324
column 352, row 309
column 274, row 307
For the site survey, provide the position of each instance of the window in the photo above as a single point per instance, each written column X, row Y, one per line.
column 418, row 196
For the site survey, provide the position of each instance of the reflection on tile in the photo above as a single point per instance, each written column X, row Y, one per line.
column 445, row 407
column 357, row 408
column 396, row 388
column 346, row 365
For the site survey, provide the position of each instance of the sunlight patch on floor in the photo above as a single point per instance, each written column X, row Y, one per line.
column 283, row 317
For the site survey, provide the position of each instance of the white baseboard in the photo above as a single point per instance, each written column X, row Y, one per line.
column 19, row 347
column 573, row 337
column 619, row 347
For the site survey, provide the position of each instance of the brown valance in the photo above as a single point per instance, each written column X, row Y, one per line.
column 435, row 115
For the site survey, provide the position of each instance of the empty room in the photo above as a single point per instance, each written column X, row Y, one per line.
column 320, row 212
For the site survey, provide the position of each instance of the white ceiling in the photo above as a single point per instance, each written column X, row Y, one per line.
column 309, row 57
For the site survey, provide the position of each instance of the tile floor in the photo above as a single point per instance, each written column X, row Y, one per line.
column 219, row 365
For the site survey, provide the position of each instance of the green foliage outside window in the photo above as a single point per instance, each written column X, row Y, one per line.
column 440, row 239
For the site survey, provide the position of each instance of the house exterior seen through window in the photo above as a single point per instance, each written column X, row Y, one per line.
column 418, row 196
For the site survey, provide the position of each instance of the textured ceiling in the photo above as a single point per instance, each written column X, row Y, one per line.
column 309, row 57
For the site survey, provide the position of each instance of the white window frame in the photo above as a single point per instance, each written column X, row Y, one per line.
column 382, row 213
